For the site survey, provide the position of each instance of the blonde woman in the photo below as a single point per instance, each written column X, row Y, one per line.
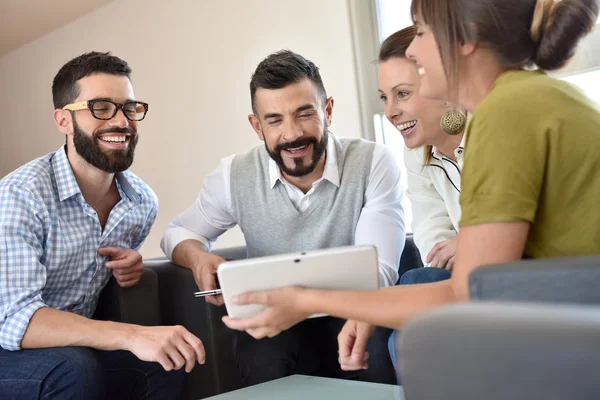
column 433, row 158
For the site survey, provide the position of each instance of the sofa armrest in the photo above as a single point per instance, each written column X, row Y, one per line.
column 499, row 351
column 558, row 280
column 231, row 253
column 133, row 305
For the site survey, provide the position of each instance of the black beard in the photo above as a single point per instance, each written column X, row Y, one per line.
column 299, row 169
column 111, row 161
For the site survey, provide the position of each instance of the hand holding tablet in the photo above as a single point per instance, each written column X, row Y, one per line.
column 343, row 268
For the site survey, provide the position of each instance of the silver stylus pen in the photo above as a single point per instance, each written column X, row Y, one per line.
column 208, row 293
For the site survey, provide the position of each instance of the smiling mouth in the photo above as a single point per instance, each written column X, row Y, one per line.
column 406, row 127
column 115, row 138
column 297, row 151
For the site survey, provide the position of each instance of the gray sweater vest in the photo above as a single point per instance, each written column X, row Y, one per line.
column 270, row 222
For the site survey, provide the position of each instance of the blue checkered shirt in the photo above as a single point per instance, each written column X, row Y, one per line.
column 49, row 241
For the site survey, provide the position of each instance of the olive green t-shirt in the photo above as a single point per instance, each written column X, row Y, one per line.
column 533, row 154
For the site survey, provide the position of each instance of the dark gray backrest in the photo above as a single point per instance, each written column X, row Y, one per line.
column 491, row 351
column 411, row 258
column 562, row 280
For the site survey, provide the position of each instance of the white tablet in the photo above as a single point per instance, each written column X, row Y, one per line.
column 348, row 267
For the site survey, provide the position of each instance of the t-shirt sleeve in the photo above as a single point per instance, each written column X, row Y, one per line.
column 505, row 162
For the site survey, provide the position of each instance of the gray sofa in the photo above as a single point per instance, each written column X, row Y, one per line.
column 165, row 297
column 531, row 332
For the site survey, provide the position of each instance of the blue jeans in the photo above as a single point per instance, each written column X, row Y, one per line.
column 413, row 277
column 84, row 373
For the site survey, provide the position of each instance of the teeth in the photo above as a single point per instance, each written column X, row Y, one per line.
column 406, row 125
column 115, row 139
column 421, row 71
column 297, row 148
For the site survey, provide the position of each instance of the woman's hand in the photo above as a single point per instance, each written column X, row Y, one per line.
column 442, row 254
column 284, row 308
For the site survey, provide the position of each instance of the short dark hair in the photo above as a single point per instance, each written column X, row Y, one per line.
column 64, row 86
column 396, row 44
column 284, row 68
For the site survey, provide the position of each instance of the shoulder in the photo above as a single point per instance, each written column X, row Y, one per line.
column 414, row 159
column 358, row 143
column 522, row 94
column 385, row 156
column 247, row 157
column 358, row 151
column 517, row 112
column 246, row 168
column 33, row 179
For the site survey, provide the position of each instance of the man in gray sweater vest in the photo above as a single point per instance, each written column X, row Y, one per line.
column 304, row 189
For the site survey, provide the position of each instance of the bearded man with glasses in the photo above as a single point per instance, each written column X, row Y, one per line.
column 68, row 222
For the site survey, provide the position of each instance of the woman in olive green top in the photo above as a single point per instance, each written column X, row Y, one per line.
column 530, row 184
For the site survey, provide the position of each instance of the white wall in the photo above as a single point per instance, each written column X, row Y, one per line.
column 192, row 61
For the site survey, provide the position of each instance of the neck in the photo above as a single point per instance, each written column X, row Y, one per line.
column 95, row 185
column 305, row 182
column 479, row 78
column 448, row 143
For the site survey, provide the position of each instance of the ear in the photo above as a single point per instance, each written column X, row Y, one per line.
column 329, row 110
column 466, row 49
column 256, row 126
column 64, row 121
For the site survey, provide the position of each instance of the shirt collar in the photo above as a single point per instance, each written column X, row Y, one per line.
column 68, row 187
column 459, row 151
column 129, row 186
column 330, row 172
column 65, row 180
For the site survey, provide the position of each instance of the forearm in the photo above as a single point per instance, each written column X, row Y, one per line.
column 187, row 252
column 389, row 307
column 393, row 307
column 54, row 328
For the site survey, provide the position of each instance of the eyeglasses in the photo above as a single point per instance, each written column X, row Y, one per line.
column 106, row 109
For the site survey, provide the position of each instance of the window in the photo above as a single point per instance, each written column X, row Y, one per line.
column 588, row 81
column 584, row 69
column 393, row 15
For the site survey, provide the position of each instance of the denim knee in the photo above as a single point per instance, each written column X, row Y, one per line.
column 164, row 385
column 77, row 373
column 424, row 275
column 392, row 347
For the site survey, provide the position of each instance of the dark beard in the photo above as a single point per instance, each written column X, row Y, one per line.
column 111, row 161
column 299, row 168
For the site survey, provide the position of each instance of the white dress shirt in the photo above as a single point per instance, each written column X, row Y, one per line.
column 381, row 222
column 434, row 192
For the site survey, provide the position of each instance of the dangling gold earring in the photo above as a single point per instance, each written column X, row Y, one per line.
column 453, row 122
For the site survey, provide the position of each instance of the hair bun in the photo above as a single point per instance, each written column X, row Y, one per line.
column 569, row 21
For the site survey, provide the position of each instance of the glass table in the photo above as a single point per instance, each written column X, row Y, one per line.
column 302, row 387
